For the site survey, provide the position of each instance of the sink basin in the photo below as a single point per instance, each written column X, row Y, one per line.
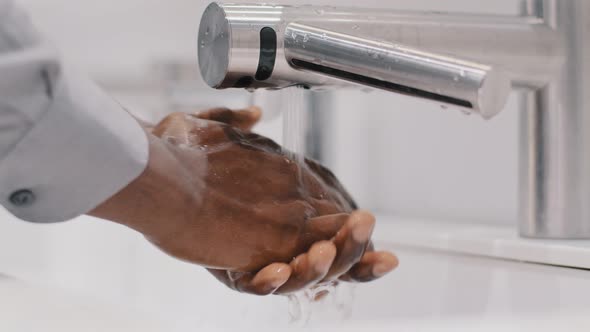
column 452, row 277
column 431, row 291
column 25, row 307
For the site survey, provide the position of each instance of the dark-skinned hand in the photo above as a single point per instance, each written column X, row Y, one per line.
column 220, row 196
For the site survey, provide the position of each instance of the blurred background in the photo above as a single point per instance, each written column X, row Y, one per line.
column 398, row 156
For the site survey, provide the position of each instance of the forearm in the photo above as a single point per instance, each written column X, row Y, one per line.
column 162, row 192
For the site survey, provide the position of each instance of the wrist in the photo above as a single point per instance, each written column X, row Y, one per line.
column 159, row 194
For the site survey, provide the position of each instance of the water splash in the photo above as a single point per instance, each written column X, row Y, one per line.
column 328, row 302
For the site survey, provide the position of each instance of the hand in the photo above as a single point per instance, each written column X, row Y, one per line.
column 341, row 258
column 220, row 196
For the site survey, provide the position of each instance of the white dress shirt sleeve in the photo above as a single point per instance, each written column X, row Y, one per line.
column 65, row 146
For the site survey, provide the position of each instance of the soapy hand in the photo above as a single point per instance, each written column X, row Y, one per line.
column 218, row 195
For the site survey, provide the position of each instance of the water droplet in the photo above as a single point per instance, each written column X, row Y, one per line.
column 356, row 27
column 444, row 107
column 207, row 31
column 320, row 11
column 462, row 73
column 305, row 38
column 456, row 78
column 324, row 36
column 296, row 308
column 202, row 44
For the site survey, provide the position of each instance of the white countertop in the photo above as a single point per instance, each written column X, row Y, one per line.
column 26, row 307
column 431, row 291
column 497, row 241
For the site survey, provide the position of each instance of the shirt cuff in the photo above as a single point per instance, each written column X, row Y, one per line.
column 82, row 151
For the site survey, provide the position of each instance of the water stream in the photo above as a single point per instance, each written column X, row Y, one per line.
column 327, row 301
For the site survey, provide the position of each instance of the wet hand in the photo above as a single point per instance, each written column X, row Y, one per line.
column 220, row 196
column 347, row 256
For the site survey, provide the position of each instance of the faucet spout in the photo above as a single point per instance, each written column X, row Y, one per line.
column 470, row 86
column 264, row 46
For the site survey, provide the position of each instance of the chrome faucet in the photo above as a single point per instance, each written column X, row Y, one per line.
column 469, row 62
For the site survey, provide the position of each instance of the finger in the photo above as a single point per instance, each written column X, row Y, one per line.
column 373, row 265
column 346, row 276
column 266, row 281
column 310, row 268
column 242, row 119
column 351, row 242
column 324, row 227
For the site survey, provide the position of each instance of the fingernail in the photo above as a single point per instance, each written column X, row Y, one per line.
column 361, row 233
column 281, row 277
column 381, row 269
column 271, row 285
column 321, row 268
column 278, row 283
column 364, row 223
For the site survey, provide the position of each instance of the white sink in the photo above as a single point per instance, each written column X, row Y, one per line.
column 30, row 308
column 431, row 291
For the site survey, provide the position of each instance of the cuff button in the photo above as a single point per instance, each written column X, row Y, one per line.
column 22, row 198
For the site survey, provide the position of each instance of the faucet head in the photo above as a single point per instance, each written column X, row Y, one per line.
column 266, row 46
column 214, row 46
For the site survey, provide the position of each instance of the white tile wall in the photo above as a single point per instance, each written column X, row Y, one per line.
column 410, row 157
